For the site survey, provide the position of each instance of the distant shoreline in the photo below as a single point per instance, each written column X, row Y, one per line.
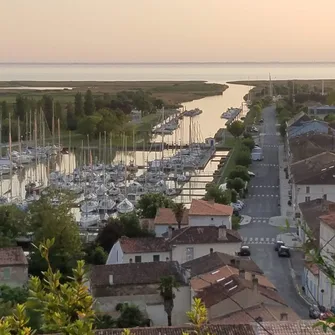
column 169, row 63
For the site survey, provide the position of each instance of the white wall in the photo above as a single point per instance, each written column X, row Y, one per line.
column 179, row 252
column 116, row 254
column 152, row 304
column 196, row 220
column 311, row 284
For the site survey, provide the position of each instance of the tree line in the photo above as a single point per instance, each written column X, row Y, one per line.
column 86, row 114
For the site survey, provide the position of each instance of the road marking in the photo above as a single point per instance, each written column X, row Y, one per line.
column 262, row 239
column 267, row 240
column 264, row 221
column 258, row 240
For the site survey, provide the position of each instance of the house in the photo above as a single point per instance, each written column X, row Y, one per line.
column 139, row 249
column 180, row 245
column 309, row 127
column 313, row 178
column 209, row 213
column 13, row 267
column 300, row 327
column 321, row 111
column 228, row 295
column 326, row 291
column 297, row 120
column 215, row 260
column 166, row 218
column 138, row 283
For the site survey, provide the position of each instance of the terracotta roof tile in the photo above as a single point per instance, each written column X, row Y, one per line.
column 12, row 256
column 264, row 312
column 215, row 260
column 165, row 216
column 202, row 207
column 211, row 329
column 134, row 273
column 203, row 235
column 132, row 245
column 303, row 327
column 206, row 279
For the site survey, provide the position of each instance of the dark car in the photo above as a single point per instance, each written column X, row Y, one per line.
column 284, row 251
column 278, row 244
column 244, row 251
column 261, row 121
column 314, row 312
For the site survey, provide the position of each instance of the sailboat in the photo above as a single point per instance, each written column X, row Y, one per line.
column 125, row 207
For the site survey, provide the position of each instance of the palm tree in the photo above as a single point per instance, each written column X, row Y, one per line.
column 166, row 290
column 178, row 210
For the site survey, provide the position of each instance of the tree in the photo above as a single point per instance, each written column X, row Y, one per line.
column 236, row 184
column 131, row 316
column 47, row 221
column 217, row 195
column 178, row 210
column 248, row 142
column 20, row 107
column 4, row 110
column 166, row 287
column 282, row 128
column 47, row 106
column 96, row 255
column 150, row 202
column 12, row 225
column 239, row 172
column 70, row 117
column 329, row 118
column 89, row 106
column 59, row 114
column 88, row 125
column 78, row 105
column 243, row 158
column 65, row 308
column 236, row 128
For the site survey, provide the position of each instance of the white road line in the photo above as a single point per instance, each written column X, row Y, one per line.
column 267, row 240
column 264, row 221
column 262, row 239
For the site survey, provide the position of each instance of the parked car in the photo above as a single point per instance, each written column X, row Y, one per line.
column 244, row 251
column 236, row 206
column 241, row 203
column 254, row 130
column 251, row 174
column 261, row 121
column 314, row 312
column 284, row 251
column 278, row 244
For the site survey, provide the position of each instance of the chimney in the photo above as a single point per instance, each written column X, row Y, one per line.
column 111, row 280
column 241, row 274
column 222, row 233
column 325, row 207
column 238, row 263
column 232, row 261
column 211, row 201
column 170, row 229
column 254, row 284
column 283, row 317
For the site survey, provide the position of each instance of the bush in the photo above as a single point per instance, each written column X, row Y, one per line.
column 239, row 172
column 235, row 222
column 249, row 143
column 243, row 158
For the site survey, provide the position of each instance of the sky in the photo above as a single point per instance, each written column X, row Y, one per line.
column 166, row 30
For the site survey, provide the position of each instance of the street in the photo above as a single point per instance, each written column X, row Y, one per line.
column 263, row 203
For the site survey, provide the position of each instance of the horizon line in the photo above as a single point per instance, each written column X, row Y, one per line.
column 166, row 63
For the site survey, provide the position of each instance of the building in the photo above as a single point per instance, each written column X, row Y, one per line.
column 226, row 296
column 297, row 120
column 13, row 267
column 136, row 116
column 166, row 218
column 313, row 178
column 209, row 213
column 301, row 327
column 180, row 245
column 138, row 283
column 321, row 111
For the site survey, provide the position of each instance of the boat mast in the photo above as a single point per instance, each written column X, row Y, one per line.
column 69, row 152
column 53, row 124
column 30, row 128
column 35, row 142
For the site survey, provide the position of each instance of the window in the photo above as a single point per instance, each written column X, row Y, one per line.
column 307, row 199
column 130, row 260
column 307, row 189
column 156, row 258
column 325, row 197
column 138, row 259
column 189, row 254
column 211, row 250
column 6, row 273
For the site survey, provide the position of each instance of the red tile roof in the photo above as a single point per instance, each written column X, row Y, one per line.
column 206, row 208
column 132, row 245
column 165, row 216
column 12, row 256
column 329, row 219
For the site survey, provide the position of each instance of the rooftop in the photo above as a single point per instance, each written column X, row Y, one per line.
column 264, row 312
column 215, row 260
column 166, row 216
column 207, row 208
column 228, row 287
column 12, row 256
column 134, row 273
column 200, row 282
column 329, row 219
column 319, row 169
column 311, row 212
column 143, row 244
column 297, row 119
column 204, row 235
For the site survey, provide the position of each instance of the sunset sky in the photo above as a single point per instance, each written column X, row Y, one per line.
column 166, row 30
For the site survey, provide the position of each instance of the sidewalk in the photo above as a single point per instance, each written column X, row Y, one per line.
column 296, row 264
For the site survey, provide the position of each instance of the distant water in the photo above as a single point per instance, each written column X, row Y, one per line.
column 213, row 72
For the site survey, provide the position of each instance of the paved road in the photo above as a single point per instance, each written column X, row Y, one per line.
column 263, row 203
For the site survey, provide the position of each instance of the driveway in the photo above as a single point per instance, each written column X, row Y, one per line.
column 261, row 204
